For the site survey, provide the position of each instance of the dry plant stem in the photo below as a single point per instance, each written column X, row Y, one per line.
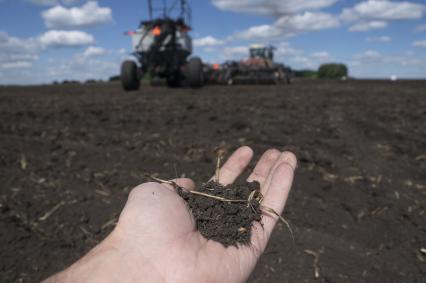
column 112, row 222
column 50, row 212
column 316, row 260
column 217, row 172
column 161, row 180
column 250, row 198
column 195, row 192
column 259, row 197
column 216, row 197
column 270, row 210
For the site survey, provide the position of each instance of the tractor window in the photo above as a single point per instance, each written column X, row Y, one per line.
column 257, row 52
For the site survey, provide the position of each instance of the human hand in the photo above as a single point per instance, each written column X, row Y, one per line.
column 155, row 239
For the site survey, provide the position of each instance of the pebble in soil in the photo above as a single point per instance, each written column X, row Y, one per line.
column 228, row 223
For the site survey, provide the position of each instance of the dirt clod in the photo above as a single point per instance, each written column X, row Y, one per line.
column 228, row 223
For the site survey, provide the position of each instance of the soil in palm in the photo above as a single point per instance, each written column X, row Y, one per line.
column 228, row 223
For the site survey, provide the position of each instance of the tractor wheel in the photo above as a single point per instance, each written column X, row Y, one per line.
column 130, row 79
column 282, row 76
column 227, row 78
column 287, row 78
column 195, row 72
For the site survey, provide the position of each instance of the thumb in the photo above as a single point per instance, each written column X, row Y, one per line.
column 185, row 183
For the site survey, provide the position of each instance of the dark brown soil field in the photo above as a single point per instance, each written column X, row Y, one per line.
column 70, row 154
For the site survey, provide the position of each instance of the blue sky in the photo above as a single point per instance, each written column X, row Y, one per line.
column 46, row 40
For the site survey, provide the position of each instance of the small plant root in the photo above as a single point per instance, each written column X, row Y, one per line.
column 254, row 196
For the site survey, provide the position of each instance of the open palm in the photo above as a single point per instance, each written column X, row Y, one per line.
column 155, row 239
column 159, row 227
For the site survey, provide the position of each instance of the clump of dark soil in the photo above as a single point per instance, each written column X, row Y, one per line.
column 227, row 222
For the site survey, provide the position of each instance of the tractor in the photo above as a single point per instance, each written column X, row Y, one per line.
column 162, row 47
column 259, row 68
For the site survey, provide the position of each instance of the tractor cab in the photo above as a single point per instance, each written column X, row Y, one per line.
column 261, row 51
column 162, row 47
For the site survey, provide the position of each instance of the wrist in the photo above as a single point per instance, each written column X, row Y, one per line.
column 110, row 261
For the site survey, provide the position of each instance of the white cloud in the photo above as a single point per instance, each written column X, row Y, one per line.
column 93, row 51
column 21, row 57
column 303, row 61
column 82, row 70
column 14, row 45
column 272, row 7
column 376, row 65
column 18, row 57
column 256, row 32
column 122, row 51
column 308, row 21
column 420, row 28
column 311, row 61
column 383, row 38
column 61, row 38
column 18, row 49
column 419, row 43
column 234, row 52
column 16, row 65
column 366, row 26
column 298, row 16
column 290, row 25
column 321, row 56
column 374, row 14
column 369, row 55
column 208, row 41
column 90, row 14
column 17, row 52
column 384, row 10
column 75, row 67
column 292, row 17
column 283, row 51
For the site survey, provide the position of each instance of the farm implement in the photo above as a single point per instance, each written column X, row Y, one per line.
column 259, row 68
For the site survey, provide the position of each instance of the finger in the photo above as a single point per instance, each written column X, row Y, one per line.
column 276, row 197
column 285, row 157
column 185, row 183
column 235, row 165
column 264, row 166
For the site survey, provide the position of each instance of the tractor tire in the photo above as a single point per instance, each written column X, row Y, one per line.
column 288, row 75
column 195, row 73
column 130, row 79
column 289, row 78
column 228, row 77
